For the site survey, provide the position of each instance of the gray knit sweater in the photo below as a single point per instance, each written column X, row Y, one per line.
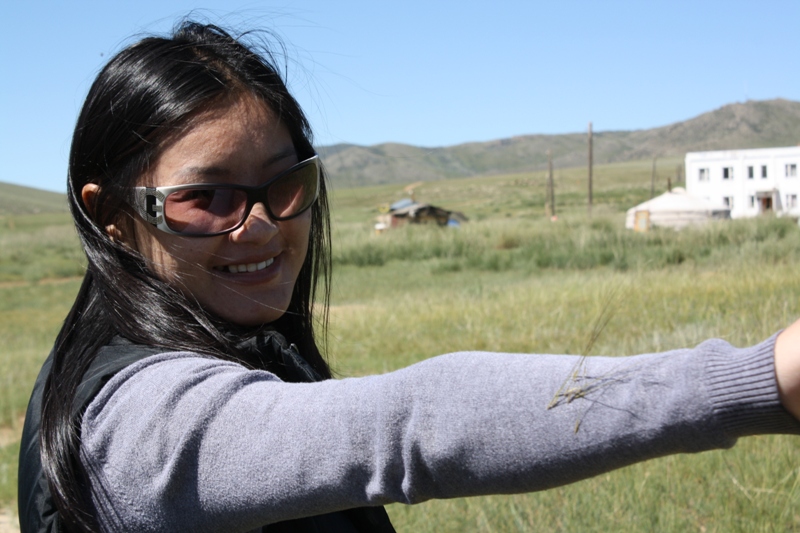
column 183, row 442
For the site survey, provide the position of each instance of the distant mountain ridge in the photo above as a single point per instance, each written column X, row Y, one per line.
column 753, row 124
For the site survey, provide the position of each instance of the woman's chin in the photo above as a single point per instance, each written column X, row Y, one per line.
column 249, row 313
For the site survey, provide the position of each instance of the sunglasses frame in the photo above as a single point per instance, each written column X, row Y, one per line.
column 149, row 201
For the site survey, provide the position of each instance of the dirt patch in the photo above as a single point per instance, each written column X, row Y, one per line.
column 43, row 281
column 8, row 521
column 9, row 435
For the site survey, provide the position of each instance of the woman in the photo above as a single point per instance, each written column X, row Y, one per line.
column 179, row 393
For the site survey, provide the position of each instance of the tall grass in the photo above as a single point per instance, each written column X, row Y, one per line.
column 578, row 244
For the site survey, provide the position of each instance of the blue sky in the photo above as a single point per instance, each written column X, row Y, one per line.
column 426, row 73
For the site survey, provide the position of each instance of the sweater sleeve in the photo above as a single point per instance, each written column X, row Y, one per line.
column 182, row 442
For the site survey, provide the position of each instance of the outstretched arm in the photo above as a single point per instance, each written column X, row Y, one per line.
column 177, row 441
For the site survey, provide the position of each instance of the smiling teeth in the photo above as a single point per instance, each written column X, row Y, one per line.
column 249, row 267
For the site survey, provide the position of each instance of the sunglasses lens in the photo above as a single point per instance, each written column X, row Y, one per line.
column 213, row 209
column 294, row 192
column 201, row 211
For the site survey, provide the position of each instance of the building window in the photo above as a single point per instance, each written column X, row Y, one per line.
column 751, row 201
column 727, row 173
column 791, row 170
column 791, row 201
column 727, row 201
column 750, row 173
column 702, row 174
column 763, row 171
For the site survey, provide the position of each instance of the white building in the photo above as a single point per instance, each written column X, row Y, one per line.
column 748, row 182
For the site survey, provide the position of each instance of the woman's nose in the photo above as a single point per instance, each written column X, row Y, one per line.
column 257, row 227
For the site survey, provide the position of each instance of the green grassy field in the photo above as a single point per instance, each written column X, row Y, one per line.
column 509, row 280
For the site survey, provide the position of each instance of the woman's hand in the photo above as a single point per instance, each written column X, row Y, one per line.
column 787, row 368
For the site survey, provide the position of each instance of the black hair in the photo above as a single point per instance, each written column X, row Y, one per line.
column 144, row 97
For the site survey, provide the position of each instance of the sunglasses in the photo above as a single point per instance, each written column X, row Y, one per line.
column 204, row 210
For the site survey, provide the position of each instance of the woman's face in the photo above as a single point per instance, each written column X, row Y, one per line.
column 240, row 143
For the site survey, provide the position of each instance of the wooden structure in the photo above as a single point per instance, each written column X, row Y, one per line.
column 411, row 212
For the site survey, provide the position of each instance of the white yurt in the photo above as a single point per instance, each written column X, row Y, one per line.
column 674, row 209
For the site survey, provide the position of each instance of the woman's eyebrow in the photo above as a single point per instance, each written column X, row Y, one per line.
column 218, row 171
column 288, row 152
column 203, row 171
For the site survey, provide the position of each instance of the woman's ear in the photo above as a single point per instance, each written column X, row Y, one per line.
column 89, row 195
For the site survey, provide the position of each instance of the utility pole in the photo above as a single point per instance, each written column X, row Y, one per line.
column 550, row 188
column 590, row 169
column 653, row 179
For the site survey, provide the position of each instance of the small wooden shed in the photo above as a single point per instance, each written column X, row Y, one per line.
column 410, row 212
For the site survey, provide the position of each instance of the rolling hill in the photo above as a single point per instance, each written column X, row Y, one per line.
column 20, row 200
column 753, row 124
